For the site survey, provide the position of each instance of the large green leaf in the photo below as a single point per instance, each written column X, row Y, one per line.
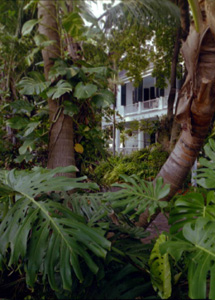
column 136, row 195
column 42, row 41
column 97, row 70
column 73, row 24
column 199, row 245
column 103, row 98
column 22, row 106
column 61, row 88
column 60, row 68
column 27, row 157
column 31, row 127
column 160, row 270
column 28, row 144
column 49, row 237
column 83, row 91
column 17, row 122
column 206, row 175
column 70, row 108
column 90, row 206
column 33, row 85
column 190, row 206
column 28, row 26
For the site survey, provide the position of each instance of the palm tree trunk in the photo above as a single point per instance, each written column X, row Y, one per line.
column 196, row 104
column 196, row 107
column 61, row 145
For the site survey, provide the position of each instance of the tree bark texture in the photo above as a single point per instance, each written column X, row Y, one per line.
column 196, row 105
column 61, row 145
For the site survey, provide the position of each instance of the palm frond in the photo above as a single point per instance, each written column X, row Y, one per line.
column 142, row 12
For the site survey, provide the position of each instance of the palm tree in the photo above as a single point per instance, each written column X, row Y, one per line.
column 197, row 96
column 196, row 105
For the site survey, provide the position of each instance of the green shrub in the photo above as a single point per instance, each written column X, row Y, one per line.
column 145, row 163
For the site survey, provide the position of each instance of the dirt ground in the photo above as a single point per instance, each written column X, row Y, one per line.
column 159, row 225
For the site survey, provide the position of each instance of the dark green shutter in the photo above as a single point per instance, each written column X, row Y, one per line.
column 146, row 94
column 140, row 92
column 152, row 92
column 123, row 94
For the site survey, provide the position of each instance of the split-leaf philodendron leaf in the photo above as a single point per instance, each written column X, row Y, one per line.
column 48, row 237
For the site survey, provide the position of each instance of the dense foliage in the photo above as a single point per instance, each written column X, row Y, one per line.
column 145, row 163
column 96, row 242
column 60, row 238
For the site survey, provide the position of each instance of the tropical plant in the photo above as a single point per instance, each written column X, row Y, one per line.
column 197, row 244
column 145, row 163
column 160, row 270
column 192, row 220
column 76, row 242
column 80, row 87
column 136, row 195
column 47, row 236
column 206, row 174
column 194, row 113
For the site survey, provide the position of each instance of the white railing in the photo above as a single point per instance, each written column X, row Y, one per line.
column 165, row 101
column 157, row 103
column 132, row 108
column 150, row 104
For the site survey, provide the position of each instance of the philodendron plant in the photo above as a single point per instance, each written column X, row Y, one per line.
column 46, row 236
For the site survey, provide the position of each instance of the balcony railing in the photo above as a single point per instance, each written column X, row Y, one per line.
column 133, row 108
column 158, row 103
column 150, row 104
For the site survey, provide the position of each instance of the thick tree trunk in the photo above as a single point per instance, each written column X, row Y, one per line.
column 196, row 106
column 61, row 145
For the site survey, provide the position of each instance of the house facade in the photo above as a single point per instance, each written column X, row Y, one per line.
column 146, row 102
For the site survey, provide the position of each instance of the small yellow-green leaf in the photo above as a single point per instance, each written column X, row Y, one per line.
column 86, row 129
column 28, row 26
column 79, row 148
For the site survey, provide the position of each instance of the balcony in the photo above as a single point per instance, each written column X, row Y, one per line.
column 132, row 108
column 142, row 107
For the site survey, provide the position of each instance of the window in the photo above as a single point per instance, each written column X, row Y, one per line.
column 146, row 94
column 123, row 94
column 152, row 92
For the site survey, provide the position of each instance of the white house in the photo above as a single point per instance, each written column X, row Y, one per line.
column 143, row 103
